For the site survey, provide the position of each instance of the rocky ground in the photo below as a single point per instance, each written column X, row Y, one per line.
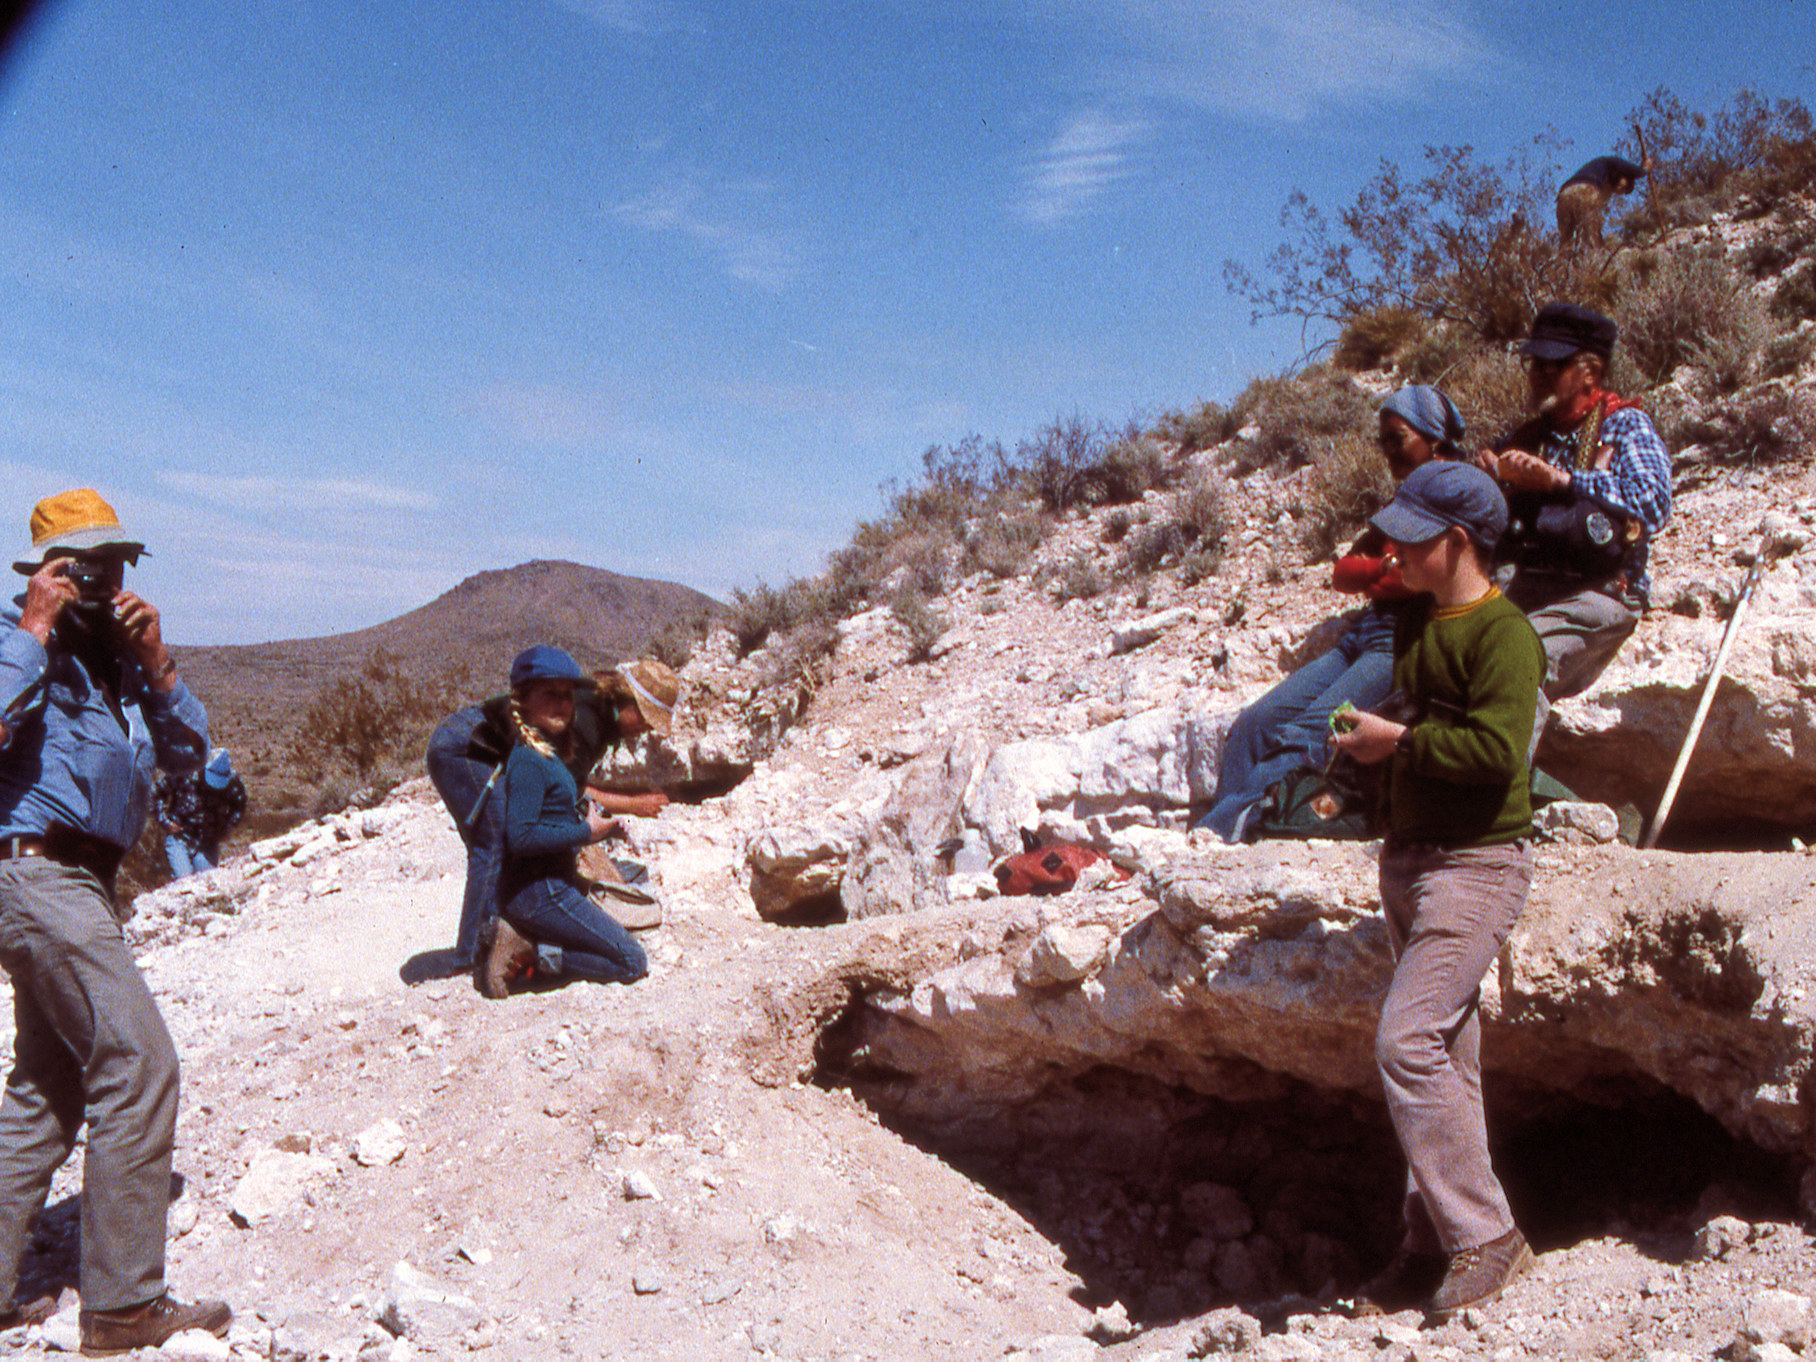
column 864, row 1109
column 378, row 1168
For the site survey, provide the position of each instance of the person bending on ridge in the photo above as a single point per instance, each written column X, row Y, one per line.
column 546, row 925
column 1289, row 726
column 1583, row 199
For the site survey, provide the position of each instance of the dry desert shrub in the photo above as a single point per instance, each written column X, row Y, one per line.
column 1206, row 425
column 1489, row 388
column 920, row 622
column 1377, row 338
column 1299, row 415
column 1765, row 425
column 1690, row 309
column 371, row 728
column 1348, row 485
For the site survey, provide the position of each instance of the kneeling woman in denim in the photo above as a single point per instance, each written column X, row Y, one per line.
column 542, row 830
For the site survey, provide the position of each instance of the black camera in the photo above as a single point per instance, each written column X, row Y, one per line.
column 95, row 582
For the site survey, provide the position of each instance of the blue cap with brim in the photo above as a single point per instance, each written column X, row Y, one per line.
column 1436, row 496
column 543, row 663
column 219, row 770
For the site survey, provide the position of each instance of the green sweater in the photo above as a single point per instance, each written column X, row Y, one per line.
column 1472, row 675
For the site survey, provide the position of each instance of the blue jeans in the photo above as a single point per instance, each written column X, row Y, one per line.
column 186, row 860
column 551, row 912
column 1289, row 727
column 460, row 781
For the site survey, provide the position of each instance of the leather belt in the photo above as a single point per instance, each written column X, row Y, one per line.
column 68, row 847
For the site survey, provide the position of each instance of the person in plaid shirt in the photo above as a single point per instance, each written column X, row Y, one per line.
column 1588, row 485
column 196, row 811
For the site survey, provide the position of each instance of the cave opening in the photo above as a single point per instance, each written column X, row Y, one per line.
column 1176, row 1202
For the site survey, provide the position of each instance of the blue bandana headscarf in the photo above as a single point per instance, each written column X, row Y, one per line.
column 1430, row 413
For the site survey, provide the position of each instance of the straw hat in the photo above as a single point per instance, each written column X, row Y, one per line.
column 655, row 689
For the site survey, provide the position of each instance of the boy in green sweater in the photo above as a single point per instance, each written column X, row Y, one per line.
column 1455, row 868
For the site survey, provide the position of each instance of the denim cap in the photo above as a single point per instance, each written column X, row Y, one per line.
column 1427, row 411
column 219, row 770
column 1562, row 329
column 543, row 663
column 1436, row 496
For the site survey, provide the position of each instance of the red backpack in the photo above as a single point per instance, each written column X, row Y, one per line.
column 1037, row 869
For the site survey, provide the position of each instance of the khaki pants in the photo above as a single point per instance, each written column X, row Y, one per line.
column 1579, row 214
column 1449, row 912
column 91, row 1046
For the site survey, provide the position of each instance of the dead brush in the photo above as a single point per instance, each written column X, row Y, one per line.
column 1348, row 485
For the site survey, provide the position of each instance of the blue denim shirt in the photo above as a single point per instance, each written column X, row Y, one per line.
column 68, row 760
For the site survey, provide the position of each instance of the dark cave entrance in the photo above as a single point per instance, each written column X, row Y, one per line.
column 1175, row 1203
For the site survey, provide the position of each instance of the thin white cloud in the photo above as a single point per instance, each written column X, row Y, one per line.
column 733, row 220
column 1285, row 62
column 1087, row 157
column 627, row 16
column 341, row 495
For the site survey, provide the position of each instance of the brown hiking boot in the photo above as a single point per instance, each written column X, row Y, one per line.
column 1407, row 1281
column 511, row 956
column 1477, row 1276
column 107, row 1333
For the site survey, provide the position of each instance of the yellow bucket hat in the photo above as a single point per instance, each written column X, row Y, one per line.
column 79, row 520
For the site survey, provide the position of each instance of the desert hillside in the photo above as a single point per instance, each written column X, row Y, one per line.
column 866, row 1107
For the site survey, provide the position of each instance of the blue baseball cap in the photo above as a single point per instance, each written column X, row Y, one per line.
column 1436, row 496
column 543, row 663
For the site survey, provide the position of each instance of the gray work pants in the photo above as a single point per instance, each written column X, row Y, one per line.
column 91, row 1046
column 1582, row 628
column 1449, row 912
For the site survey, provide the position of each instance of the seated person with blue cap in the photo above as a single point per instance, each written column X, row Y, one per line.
column 1288, row 728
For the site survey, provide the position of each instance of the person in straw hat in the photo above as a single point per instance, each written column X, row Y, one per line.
column 91, row 706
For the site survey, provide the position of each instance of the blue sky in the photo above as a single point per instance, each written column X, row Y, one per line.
column 340, row 304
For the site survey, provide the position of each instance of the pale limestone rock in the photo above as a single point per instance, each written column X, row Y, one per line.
column 1129, row 635
column 1773, row 1318
column 1575, row 821
column 276, row 1181
column 793, row 865
column 380, row 1144
column 417, row 1307
column 1063, row 955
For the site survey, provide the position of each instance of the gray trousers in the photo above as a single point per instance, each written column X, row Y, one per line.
column 1581, row 627
column 1449, row 911
column 90, row 1046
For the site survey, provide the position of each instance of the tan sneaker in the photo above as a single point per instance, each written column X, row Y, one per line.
column 108, row 1333
column 1477, row 1276
column 511, row 956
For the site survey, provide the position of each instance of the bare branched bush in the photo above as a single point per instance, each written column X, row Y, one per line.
column 674, row 644
column 375, row 724
column 1062, row 459
column 1466, row 242
column 1703, row 163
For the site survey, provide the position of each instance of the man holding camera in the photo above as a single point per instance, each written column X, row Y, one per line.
column 90, row 707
